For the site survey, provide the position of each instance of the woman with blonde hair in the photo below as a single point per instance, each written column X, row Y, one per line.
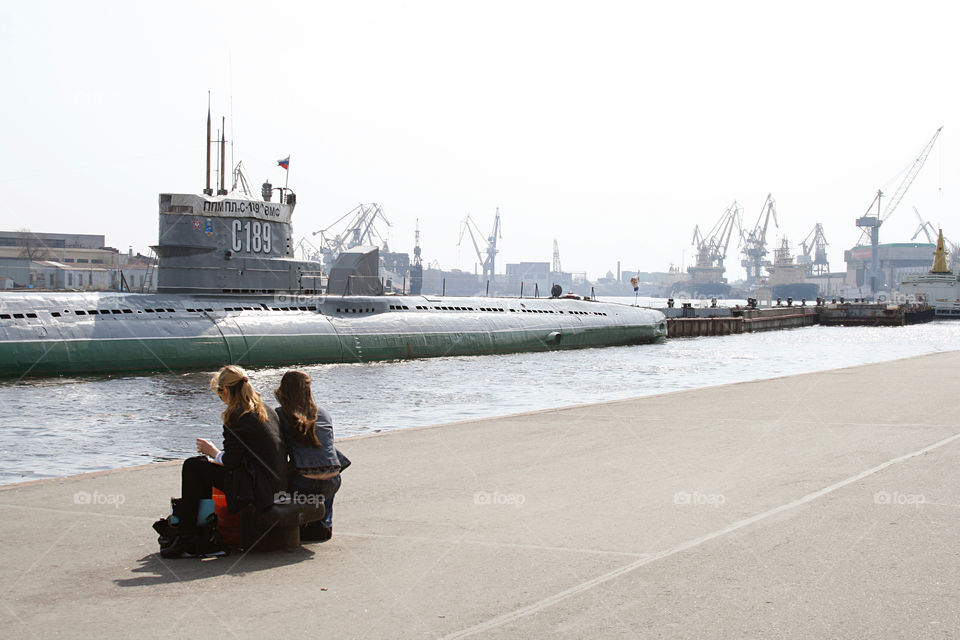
column 308, row 432
column 250, row 470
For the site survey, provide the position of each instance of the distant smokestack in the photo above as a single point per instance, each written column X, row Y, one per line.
column 618, row 271
column 208, row 190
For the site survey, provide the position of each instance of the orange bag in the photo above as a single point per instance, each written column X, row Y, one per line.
column 228, row 524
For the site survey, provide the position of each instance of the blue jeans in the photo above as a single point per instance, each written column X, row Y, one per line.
column 327, row 488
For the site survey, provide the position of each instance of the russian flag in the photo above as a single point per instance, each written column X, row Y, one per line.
column 285, row 163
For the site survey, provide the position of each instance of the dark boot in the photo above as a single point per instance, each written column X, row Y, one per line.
column 180, row 546
column 208, row 539
column 201, row 541
column 315, row 532
column 168, row 528
column 178, row 533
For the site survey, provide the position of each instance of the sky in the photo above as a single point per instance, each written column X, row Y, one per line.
column 613, row 128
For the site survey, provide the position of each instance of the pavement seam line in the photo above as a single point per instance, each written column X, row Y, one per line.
column 740, row 524
column 72, row 512
column 490, row 543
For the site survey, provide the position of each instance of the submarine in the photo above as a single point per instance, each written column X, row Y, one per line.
column 230, row 291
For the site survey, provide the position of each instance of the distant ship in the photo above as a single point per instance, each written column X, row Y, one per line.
column 229, row 290
column 787, row 278
column 938, row 287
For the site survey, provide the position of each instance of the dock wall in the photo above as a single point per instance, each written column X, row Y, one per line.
column 740, row 321
column 874, row 315
column 690, row 323
column 779, row 318
column 693, row 327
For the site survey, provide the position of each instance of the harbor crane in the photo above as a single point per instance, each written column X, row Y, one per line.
column 360, row 230
column 417, row 258
column 712, row 249
column 755, row 241
column 871, row 222
column 953, row 254
column 556, row 257
column 932, row 234
column 240, row 180
column 416, row 269
column 925, row 228
column 815, row 242
column 490, row 246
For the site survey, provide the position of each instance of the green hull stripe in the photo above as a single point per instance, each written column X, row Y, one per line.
column 53, row 357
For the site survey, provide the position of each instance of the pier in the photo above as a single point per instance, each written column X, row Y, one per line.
column 875, row 315
column 822, row 505
column 695, row 327
column 689, row 322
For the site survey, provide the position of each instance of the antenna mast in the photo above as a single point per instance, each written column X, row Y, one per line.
column 223, row 157
column 207, row 190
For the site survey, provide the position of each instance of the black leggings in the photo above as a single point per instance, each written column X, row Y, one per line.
column 197, row 479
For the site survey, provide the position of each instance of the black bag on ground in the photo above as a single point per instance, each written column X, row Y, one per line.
column 203, row 540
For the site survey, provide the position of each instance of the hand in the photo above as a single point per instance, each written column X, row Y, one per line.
column 207, row 448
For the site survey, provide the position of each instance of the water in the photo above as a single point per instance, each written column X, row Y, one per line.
column 55, row 427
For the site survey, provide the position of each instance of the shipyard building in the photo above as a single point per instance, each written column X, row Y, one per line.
column 70, row 261
column 896, row 261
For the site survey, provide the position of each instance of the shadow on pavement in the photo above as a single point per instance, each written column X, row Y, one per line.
column 157, row 570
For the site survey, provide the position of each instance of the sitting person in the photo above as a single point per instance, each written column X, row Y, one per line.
column 308, row 431
column 251, row 468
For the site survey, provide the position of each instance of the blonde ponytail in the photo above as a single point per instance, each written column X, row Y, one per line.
column 240, row 397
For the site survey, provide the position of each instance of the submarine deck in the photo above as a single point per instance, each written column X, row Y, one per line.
column 816, row 506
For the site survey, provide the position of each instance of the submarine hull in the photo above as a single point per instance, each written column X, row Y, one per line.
column 64, row 333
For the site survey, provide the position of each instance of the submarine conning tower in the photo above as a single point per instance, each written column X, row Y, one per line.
column 230, row 244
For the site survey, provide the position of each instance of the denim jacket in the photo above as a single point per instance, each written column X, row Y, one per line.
column 309, row 461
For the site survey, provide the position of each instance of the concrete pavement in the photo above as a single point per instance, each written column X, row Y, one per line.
column 824, row 505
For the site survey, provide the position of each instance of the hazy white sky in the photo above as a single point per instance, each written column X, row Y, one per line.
column 612, row 127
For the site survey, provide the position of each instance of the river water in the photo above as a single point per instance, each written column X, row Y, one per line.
column 60, row 426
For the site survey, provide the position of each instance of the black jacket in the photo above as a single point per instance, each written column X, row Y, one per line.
column 255, row 459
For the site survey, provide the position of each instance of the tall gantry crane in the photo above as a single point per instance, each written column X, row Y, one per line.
column 490, row 246
column 712, row 248
column 755, row 241
column 815, row 242
column 360, row 230
column 871, row 222
column 556, row 257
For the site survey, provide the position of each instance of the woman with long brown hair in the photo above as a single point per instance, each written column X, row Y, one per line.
column 251, row 468
column 308, row 431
